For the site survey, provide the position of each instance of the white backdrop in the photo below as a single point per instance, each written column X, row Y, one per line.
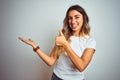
column 41, row 20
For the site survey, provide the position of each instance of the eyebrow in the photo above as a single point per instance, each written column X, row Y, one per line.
column 75, row 15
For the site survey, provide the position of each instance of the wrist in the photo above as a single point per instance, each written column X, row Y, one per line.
column 36, row 48
column 65, row 44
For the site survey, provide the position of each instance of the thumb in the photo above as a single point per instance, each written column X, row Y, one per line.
column 60, row 33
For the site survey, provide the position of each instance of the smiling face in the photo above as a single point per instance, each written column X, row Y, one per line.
column 75, row 21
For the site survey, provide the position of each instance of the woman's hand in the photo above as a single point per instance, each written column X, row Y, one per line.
column 60, row 40
column 28, row 41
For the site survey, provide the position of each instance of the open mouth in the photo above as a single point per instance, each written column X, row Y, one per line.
column 74, row 26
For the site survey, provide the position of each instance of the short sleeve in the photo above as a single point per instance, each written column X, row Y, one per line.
column 91, row 43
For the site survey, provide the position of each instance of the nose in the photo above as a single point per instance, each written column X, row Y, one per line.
column 73, row 21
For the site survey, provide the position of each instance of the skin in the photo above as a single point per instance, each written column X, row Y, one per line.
column 75, row 23
column 75, row 20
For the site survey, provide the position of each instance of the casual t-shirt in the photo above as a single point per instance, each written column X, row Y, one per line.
column 64, row 68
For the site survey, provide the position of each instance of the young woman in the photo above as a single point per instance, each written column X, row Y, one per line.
column 73, row 49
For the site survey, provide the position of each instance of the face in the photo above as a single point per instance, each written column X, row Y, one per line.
column 75, row 20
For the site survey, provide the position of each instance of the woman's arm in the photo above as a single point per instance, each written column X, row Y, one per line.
column 80, row 62
column 49, row 60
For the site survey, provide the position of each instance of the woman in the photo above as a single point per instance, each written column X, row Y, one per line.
column 74, row 47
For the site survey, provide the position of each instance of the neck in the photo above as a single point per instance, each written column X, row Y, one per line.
column 78, row 35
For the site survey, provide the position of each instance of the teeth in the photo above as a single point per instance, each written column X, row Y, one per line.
column 74, row 26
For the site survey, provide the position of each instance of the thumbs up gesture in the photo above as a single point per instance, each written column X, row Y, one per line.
column 60, row 40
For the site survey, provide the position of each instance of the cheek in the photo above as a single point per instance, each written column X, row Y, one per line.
column 69, row 23
column 81, row 22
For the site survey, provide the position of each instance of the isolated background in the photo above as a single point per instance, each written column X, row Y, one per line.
column 41, row 20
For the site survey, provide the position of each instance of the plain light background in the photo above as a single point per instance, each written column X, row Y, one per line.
column 41, row 20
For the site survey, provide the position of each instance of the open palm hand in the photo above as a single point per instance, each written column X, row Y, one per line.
column 28, row 41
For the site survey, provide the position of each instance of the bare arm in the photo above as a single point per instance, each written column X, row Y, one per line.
column 80, row 62
column 49, row 60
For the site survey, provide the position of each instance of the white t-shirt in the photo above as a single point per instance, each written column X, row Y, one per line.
column 64, row 68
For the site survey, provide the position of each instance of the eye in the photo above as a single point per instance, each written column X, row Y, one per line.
column 69, row 18
column 76, row 17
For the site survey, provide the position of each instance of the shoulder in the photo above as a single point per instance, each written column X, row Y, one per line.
column 90, row 42
column 91, row 39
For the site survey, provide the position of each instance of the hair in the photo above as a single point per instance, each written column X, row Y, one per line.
column 85, row 30
column 67, row 31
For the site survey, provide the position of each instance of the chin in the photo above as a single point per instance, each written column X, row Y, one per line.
column 74, row 29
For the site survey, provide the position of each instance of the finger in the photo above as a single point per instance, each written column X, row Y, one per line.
column 60, row 33
column 22, row 39
column 58, row 45
column 30, row 39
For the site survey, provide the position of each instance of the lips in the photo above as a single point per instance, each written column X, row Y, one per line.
column 74, row 26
